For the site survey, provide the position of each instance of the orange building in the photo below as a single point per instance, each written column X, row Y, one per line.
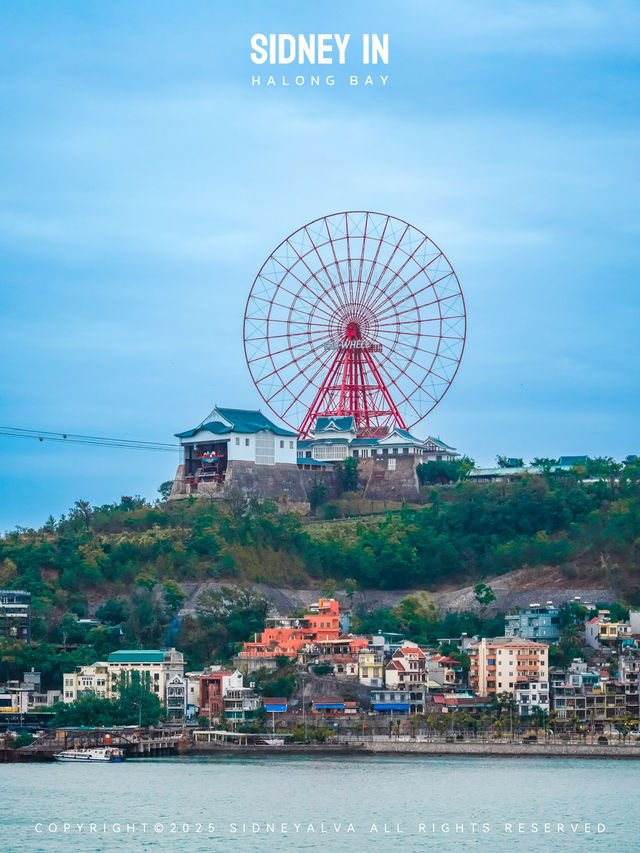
column 500, row 665
column 286, row 636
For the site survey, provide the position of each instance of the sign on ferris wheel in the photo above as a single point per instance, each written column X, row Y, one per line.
column 357, row 314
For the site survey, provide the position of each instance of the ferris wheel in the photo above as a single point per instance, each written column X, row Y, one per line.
column 356, row 313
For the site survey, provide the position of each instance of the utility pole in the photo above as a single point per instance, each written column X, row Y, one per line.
column 304, row 708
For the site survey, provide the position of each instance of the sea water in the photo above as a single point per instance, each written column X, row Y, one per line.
column 338, row 803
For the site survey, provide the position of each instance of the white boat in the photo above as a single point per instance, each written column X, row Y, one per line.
column 98, row 753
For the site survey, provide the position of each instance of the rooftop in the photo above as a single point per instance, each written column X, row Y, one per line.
column 236, row 420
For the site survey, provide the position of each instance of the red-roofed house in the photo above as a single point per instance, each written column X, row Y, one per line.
column 406, row 668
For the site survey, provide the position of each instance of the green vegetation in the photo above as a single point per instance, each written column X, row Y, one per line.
column 444, row 472
column 135, row 704
column 136, row 559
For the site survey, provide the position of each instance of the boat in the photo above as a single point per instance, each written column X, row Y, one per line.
column 98, row 753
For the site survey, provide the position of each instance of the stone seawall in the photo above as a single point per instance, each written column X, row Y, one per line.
column 495, row 750
column 547, row 750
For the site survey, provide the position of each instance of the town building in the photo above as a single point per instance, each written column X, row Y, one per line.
column 153, row 668
column 286, row 636
column 22, row 697
column 532, row 697
column 241, row 704
column 498, row 665
column 176, row 691
column 90, row 680
column 602, row 632
column 371, row 668
column 628, row 672
column 15, row 614
column 406, row 669
column 444, row 671
column 536, row 622
column 214, row 686
column 400, row 701
column 387, row 642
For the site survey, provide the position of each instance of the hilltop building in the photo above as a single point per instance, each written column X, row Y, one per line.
column 335, row 438
column 238, row 449
column 243, row 450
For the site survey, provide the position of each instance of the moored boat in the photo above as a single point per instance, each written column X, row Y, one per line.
column 98, row 753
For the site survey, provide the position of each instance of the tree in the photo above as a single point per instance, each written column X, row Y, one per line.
column 509, row 462
column 165, row 489
column 545, row 463
column 348, row 474
column 317, row 495
column 112, row 612
column 82, row 510
column 484, row 595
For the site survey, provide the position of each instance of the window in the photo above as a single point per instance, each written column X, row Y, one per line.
column 282, row 445
column 247, row 441
column 237, row 439
column 395, row 449
column 391, row 465
column 331, row 451
column 290, row 445
column 265, row 448
column 307, row 454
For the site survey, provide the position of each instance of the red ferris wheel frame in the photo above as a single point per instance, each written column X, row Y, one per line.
column 359, row 314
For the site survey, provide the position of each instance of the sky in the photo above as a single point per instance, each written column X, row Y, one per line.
column 144, row 181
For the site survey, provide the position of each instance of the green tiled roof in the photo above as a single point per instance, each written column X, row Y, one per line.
column 216, row 427
column 137, row 656
column 440, row 442
column 345, row 422
column 241, row 420
column 246, row 420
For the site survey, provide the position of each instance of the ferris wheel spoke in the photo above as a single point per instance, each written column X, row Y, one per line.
column 415, row 348
column 274, row 353
column 315, row 306
column 313, row 273
column 335, row 258
column 291, row 379
column 363, row 298
column 418, row 307
column 405, row 399
column 303, row 284
column 430, row 286
column 397, row 274
column 387, row 266
column 330, row 294
column 405, row 282
column 401, row 372
column 275, row 304
column 362, row 254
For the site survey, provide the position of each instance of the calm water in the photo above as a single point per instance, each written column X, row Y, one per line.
column 231, row 804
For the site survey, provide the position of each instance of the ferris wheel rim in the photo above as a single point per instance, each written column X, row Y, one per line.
column 420, row 338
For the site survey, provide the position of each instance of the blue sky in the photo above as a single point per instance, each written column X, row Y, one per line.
column 144, row 182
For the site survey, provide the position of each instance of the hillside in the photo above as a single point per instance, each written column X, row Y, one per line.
column 135, row 565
